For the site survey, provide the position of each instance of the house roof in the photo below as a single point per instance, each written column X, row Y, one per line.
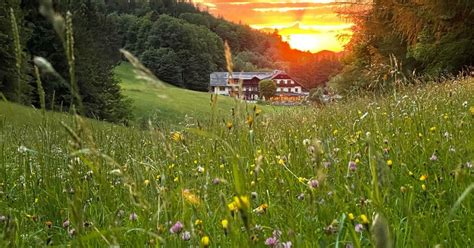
column 220, row 78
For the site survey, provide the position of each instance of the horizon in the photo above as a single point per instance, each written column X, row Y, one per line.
column 306, row 25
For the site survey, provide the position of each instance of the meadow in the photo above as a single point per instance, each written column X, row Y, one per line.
column 392, row 171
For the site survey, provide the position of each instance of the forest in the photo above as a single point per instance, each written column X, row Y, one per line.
column 179, row 42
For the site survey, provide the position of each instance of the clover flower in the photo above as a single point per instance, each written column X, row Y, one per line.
column 133, row 216
column 186, row 236
column 177, row 227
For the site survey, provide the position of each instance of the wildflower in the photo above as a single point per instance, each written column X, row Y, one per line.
column 176, row 179
column 281, row 161
column 241, row 202
column 177, row 136
column 271, row 241
column 364, row 219
column 326, row 164
column 186, row 236
column 410, row 173
column 66, row 223
column 351, row 216
column 249, row 121
column 257, row 111
column 261, row 209
column 177, row 227
column 229, row 125
column 287, row 244
column 146, row 182
column 216, row 181
column 254, row 238
column 225, row 223
column 22, row 149
column 423, row 177
column 357, row 161
column 471, row 109
column 433, row 157
column 205, row 241
column 423, row 187
column 313, row 183
column 389, row 163
column 334, row 132
column 359, row 228
column 49, row 224
column 72, row 232
column 190, row 197
column 133, row 216
column 300, row 196
column 352, row 166
column 254, row 195
column 198, row 222
column 403, row 189
column 432, row 129
column 201, row 169
column 301, row 179
column 468, row 165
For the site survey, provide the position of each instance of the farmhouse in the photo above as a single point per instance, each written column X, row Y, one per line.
column 288, row 89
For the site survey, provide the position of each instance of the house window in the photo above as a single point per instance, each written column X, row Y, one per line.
column 278, row 89
column 296, row 90
column 221, row 88
column 285, row 81
column 292, row 82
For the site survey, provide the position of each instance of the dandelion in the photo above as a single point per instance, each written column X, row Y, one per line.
column 249, row 121
column 261, row 209
column 190, row 197
column 271, row 241
column 334, row 132
column 49, row 224
column 410, row 173
column 359, row 228
column 432, row 129
column 176, row 179
column 257, row 111
column 198, row 222
column 177, row 227
column 301, row 179
column 229, row 125
column 423, row 187
column 423, row 177
column 313, row 183
column 281, row 161
column 146, row 182
column 364, row 219
column 352, row 166
column 133, row 216
column 225, row 225
column 351, row 216
column 389, row 163
column 177, row 136
column 205, row 241
column 186, row 236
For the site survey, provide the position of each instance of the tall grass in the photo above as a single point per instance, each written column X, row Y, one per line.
column 308, row 176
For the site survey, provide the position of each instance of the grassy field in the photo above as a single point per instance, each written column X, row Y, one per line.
column 170, row 104
column 364, row 172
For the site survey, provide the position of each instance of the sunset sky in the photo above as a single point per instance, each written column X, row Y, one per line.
column 308, row 25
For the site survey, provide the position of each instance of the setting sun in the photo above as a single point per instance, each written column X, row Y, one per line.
column 306, row 25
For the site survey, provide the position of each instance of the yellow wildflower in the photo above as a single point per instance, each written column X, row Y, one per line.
column 389, row 163
column 423, row 187
column 403, row 189
column 432, row 129
column 423, row 177
column 334, row 132
column 364, row 219
column 146, row 182
column 225, row 224
column 261, row 209
column 357, row 161
column 471, row 109
column 229, row 125
column 351, row 216
column 190, row 197
column 410, row 173
column 249, row 121
column 257, row 111
column 301, row 179
column 281, row 162
column 198, row 222
column 205, row 241
column 242, row 202
column 177, row 136
column 176, row 179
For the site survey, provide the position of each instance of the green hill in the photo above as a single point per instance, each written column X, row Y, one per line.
column 169, row 104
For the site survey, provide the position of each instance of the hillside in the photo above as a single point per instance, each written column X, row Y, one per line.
column 170, row 104
column 401, row 164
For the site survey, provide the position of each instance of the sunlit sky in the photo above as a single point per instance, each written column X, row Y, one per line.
column 307, row 25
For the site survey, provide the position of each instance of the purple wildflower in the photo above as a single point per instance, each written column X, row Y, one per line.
column 272, row 242
column 186, row 236
column 352, row 166
column 133, row 216
column 216, row 180
column 176, row 228
column 433, row 157
column 66, row 223
column 287, row 244
column 313, row 183
column 359, row 228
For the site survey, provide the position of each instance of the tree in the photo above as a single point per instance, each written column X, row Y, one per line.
column 164, row 63
column 267, row 88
